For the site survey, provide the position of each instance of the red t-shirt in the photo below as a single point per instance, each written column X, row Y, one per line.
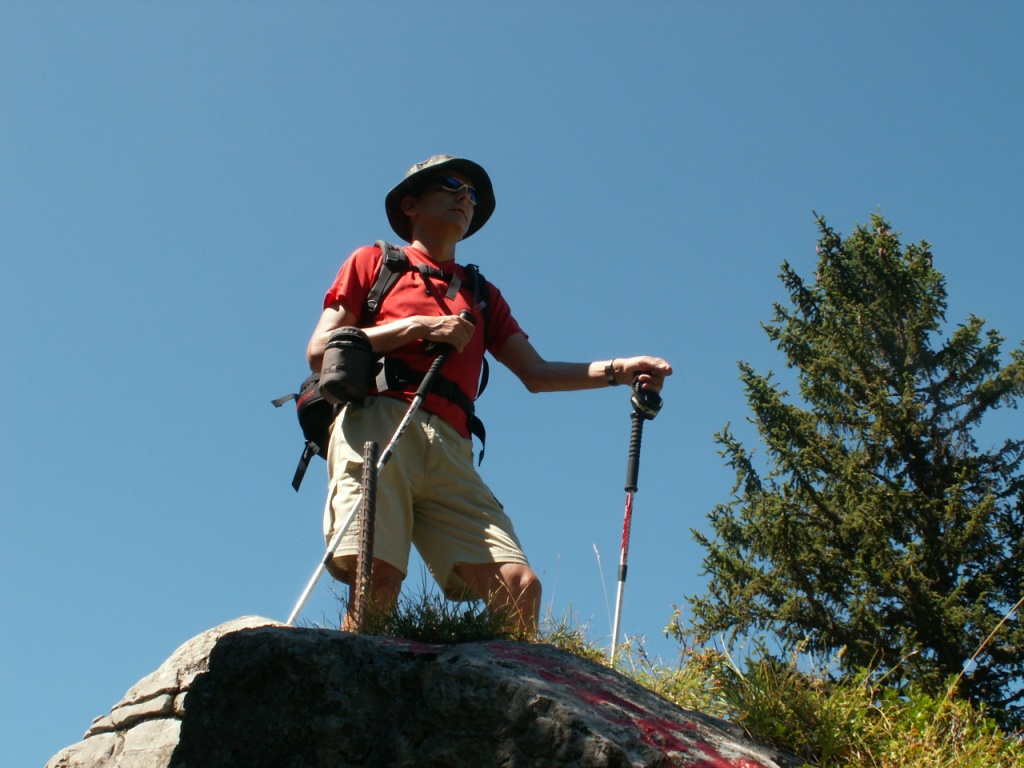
column 414, row 294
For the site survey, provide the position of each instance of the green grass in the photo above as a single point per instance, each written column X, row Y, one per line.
column 430, row 618
column 854, row 721
column 857, row 720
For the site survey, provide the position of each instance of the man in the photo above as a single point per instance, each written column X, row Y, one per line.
column 430, row 494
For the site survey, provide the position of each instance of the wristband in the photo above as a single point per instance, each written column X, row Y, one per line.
column 609, row 373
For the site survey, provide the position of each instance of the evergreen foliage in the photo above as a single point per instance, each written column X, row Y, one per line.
column 874, row 525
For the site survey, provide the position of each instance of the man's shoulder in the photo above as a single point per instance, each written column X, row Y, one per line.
column 364, row 260
column 367, row 252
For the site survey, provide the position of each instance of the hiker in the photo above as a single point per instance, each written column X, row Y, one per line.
column 431, row 495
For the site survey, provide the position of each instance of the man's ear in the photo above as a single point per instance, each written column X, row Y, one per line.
column 408, row 205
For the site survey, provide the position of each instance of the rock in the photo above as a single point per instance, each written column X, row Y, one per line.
column 255, row 693
column 176, row 674
column 158, row 696
column 97, row 750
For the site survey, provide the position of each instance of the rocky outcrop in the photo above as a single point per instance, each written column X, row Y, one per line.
column 257, row 694
column 142, row 729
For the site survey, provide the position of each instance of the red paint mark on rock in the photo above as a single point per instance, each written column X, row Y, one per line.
column 658, row 732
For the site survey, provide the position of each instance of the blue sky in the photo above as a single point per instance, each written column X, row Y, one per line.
column 179, row 182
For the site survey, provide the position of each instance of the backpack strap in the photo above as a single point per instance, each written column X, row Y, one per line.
column 396, row 374
column 392, row 266
column 482, row 299
column 395, row 263
column 481, row 289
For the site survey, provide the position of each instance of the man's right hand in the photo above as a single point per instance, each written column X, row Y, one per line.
column 447, row 329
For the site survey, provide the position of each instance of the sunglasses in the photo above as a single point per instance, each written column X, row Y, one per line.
column 455, row 186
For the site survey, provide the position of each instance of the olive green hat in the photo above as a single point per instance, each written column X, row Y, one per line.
column 433, row 168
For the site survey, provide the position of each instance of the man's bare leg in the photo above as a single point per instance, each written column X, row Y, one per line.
column 385, row 588
column 510, row 587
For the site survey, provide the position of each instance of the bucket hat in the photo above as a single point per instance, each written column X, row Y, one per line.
column 433, row 168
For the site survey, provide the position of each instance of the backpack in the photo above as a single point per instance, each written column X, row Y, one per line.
column 315, row 418
column 316, row 415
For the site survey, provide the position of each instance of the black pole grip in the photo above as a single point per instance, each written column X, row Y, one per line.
column 428, row 378
column 633, row 465
column 646, row 402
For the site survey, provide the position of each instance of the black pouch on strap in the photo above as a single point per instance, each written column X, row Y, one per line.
column 316, row 416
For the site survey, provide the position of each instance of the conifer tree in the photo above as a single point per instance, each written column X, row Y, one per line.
column 874, row 524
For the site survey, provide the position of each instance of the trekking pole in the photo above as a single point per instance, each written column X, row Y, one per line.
column 646, row 404
column 421, row 393
column 360, row 597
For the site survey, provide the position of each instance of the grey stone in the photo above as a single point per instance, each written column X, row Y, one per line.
column 98, row 751
column 179, row 705
column 125, row 716
column 258, row 694
column 190, row 659
column 150, row 744
column 102, row 724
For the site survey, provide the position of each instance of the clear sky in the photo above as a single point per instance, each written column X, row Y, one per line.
column 179, row 183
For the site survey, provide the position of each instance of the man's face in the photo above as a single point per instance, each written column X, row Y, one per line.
column 441, row 205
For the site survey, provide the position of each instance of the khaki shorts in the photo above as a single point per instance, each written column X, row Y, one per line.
column 428, row 494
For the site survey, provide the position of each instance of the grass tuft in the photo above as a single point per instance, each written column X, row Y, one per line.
column 430, row 618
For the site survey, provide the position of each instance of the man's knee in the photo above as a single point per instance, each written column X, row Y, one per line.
column 520, row 580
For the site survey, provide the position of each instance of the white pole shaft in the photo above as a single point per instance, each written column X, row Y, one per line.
column 336, row 540
column 624, row 556
column 618, row 615
column 322, row 565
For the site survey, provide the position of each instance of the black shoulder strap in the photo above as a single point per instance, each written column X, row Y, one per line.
column 393, row 263
column 482, row 299
column 481, row 290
